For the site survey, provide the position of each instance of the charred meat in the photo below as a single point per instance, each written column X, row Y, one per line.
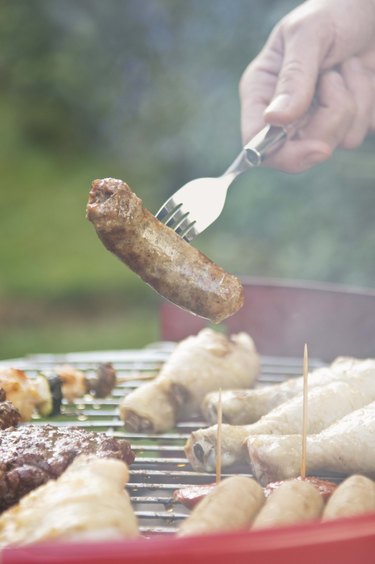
column 33, row 454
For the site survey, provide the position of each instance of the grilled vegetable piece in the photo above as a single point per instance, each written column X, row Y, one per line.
column 326, row 404
column 20, row 390
column 231, row 506
column 345, row 447
column 73, row 381
column 87, row 502
column 33, row 454
column 49, row 388
column 295, row 501
column 354, row 496
column 174, row 268
column 198, row 364
column 54, row 383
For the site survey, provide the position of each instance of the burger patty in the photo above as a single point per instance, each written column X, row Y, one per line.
column 31, row 455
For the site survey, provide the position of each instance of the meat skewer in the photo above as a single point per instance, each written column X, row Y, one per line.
column 354, row 496
column 326, row 404
column 304, row 410
column 75, row 383
column 197, row 365
column 345, row 447
column 87, row 502
column 45, row 392
column 242, row 407
column 30, row 455
column 164, row 260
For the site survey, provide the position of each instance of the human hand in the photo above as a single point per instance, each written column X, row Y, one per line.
column 326, row 49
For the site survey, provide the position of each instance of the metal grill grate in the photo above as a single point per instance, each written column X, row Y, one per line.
column 160, row 466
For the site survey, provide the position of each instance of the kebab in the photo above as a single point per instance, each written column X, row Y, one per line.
column 87, row 502
column 44, row 392
column 242, row 407
column 197, row 365
column 326, row 404
column 30, row 455
column 345, row 447
column 162, row 258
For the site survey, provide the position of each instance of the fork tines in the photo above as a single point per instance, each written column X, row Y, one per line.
column 174, row 217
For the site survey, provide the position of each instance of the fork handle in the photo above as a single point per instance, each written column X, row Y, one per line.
column 268, row 140
column 257, row 149
column 272, row 137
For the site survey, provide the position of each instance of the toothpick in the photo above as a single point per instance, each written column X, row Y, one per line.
column 218, row 438
column 304, row 422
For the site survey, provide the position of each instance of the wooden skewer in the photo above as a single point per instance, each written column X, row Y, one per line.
column 305, row 421
column 218, row 438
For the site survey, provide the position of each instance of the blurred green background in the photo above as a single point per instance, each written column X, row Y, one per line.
column 147, row 91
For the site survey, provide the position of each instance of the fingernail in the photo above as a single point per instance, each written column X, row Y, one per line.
column 279, row 104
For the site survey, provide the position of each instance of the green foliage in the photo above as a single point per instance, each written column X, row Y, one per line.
column 147, row 91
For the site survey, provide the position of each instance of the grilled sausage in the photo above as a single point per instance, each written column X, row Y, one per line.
column 174, row 268
column 231, row 506
column 190, row 496
column 354, row 496
column 295, row 501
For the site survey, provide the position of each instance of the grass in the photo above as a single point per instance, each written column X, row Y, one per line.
column 74, row 332
column 60, row 290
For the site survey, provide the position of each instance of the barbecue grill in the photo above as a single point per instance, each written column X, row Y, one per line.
column 161, row 467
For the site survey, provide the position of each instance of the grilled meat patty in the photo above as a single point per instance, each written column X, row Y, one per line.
column 33, row 454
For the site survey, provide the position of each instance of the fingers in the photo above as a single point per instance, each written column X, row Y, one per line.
column 367, row 59
column 279, row 85
column 327, row 128
column 361, row 86
column 257, row 86
column 298, row 75
column 297, row 156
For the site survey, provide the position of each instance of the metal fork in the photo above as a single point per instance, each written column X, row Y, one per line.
column 196, row 205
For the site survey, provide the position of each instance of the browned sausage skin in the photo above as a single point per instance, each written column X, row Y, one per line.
column 174, row 268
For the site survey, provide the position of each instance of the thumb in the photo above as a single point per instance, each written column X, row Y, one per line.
column 297, row 80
